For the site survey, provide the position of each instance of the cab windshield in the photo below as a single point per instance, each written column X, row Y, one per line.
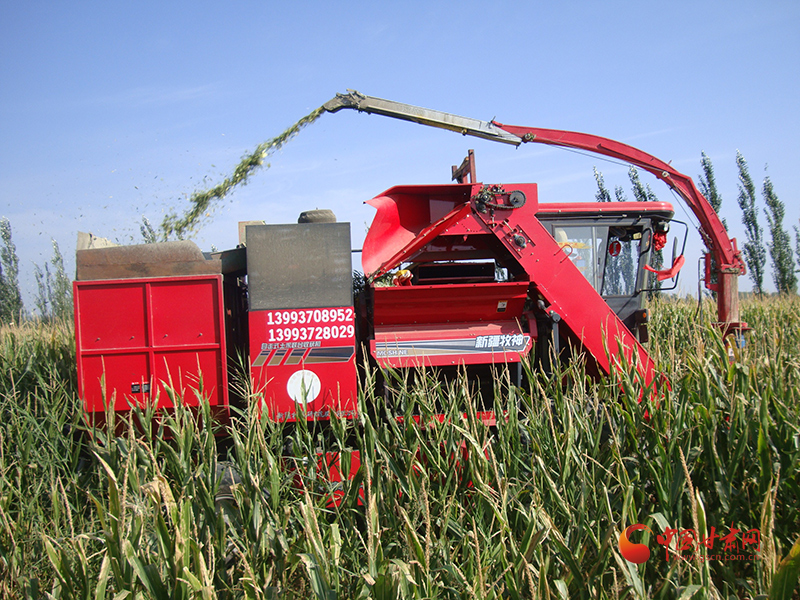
column 585, row 245
column 608, row 258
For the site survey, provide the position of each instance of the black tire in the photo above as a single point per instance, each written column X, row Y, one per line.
column 319, row 215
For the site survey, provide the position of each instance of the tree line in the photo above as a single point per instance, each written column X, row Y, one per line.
column 54, row 287
column 756, row 247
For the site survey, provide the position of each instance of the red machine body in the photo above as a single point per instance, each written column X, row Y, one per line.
column 466, row 315
column 488, row 274
column 458, row 276
column 304, row 360
column 463, row 324
column 138, row 338
column 301, row 320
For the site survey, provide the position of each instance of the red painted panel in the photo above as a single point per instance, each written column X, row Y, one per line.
column 182, row 372
column 123, row 373
column 304, row 358
column 411, row 216
column 593, row 209
column 449, row 303
column 449, row 344
column 403, row 212
column 115, row 323
column 185, row 312
column 111, row 315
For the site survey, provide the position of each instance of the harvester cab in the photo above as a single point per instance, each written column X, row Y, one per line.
column 615, row 247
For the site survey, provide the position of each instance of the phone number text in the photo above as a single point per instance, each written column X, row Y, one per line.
column 301, row 334
column 311, row 316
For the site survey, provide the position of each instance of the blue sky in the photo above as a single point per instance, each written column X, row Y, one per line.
column 111, row 111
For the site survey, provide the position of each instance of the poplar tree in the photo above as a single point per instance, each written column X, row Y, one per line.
column 627, row 262
column 613, row 272
column 643, row 193
column 755, row 255
column 54, row 296
column 628, row 267
column 780, row 246
column 602, row 194
column 10, row 297
column 797, row 243
column 620, row 275
column 708, row 185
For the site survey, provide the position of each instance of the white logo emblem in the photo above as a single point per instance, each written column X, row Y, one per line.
column 303, row 386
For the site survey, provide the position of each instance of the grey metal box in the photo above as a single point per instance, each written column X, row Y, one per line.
column 304, row 265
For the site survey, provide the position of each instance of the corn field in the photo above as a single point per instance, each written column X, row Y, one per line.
column 530, row 508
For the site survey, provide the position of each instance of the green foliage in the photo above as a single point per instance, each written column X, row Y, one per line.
column 708, row 185
column 602, row 195
column 35, row 355
column 787, row 575
column 754, row 253
column 10, row 299
column 42, row 476
column 149, row 235
column 202, row 202
column 531, row 507
column 780, row 246
column 641, row 192
column 797, row 243
column 54, row 295
column 615, row 271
